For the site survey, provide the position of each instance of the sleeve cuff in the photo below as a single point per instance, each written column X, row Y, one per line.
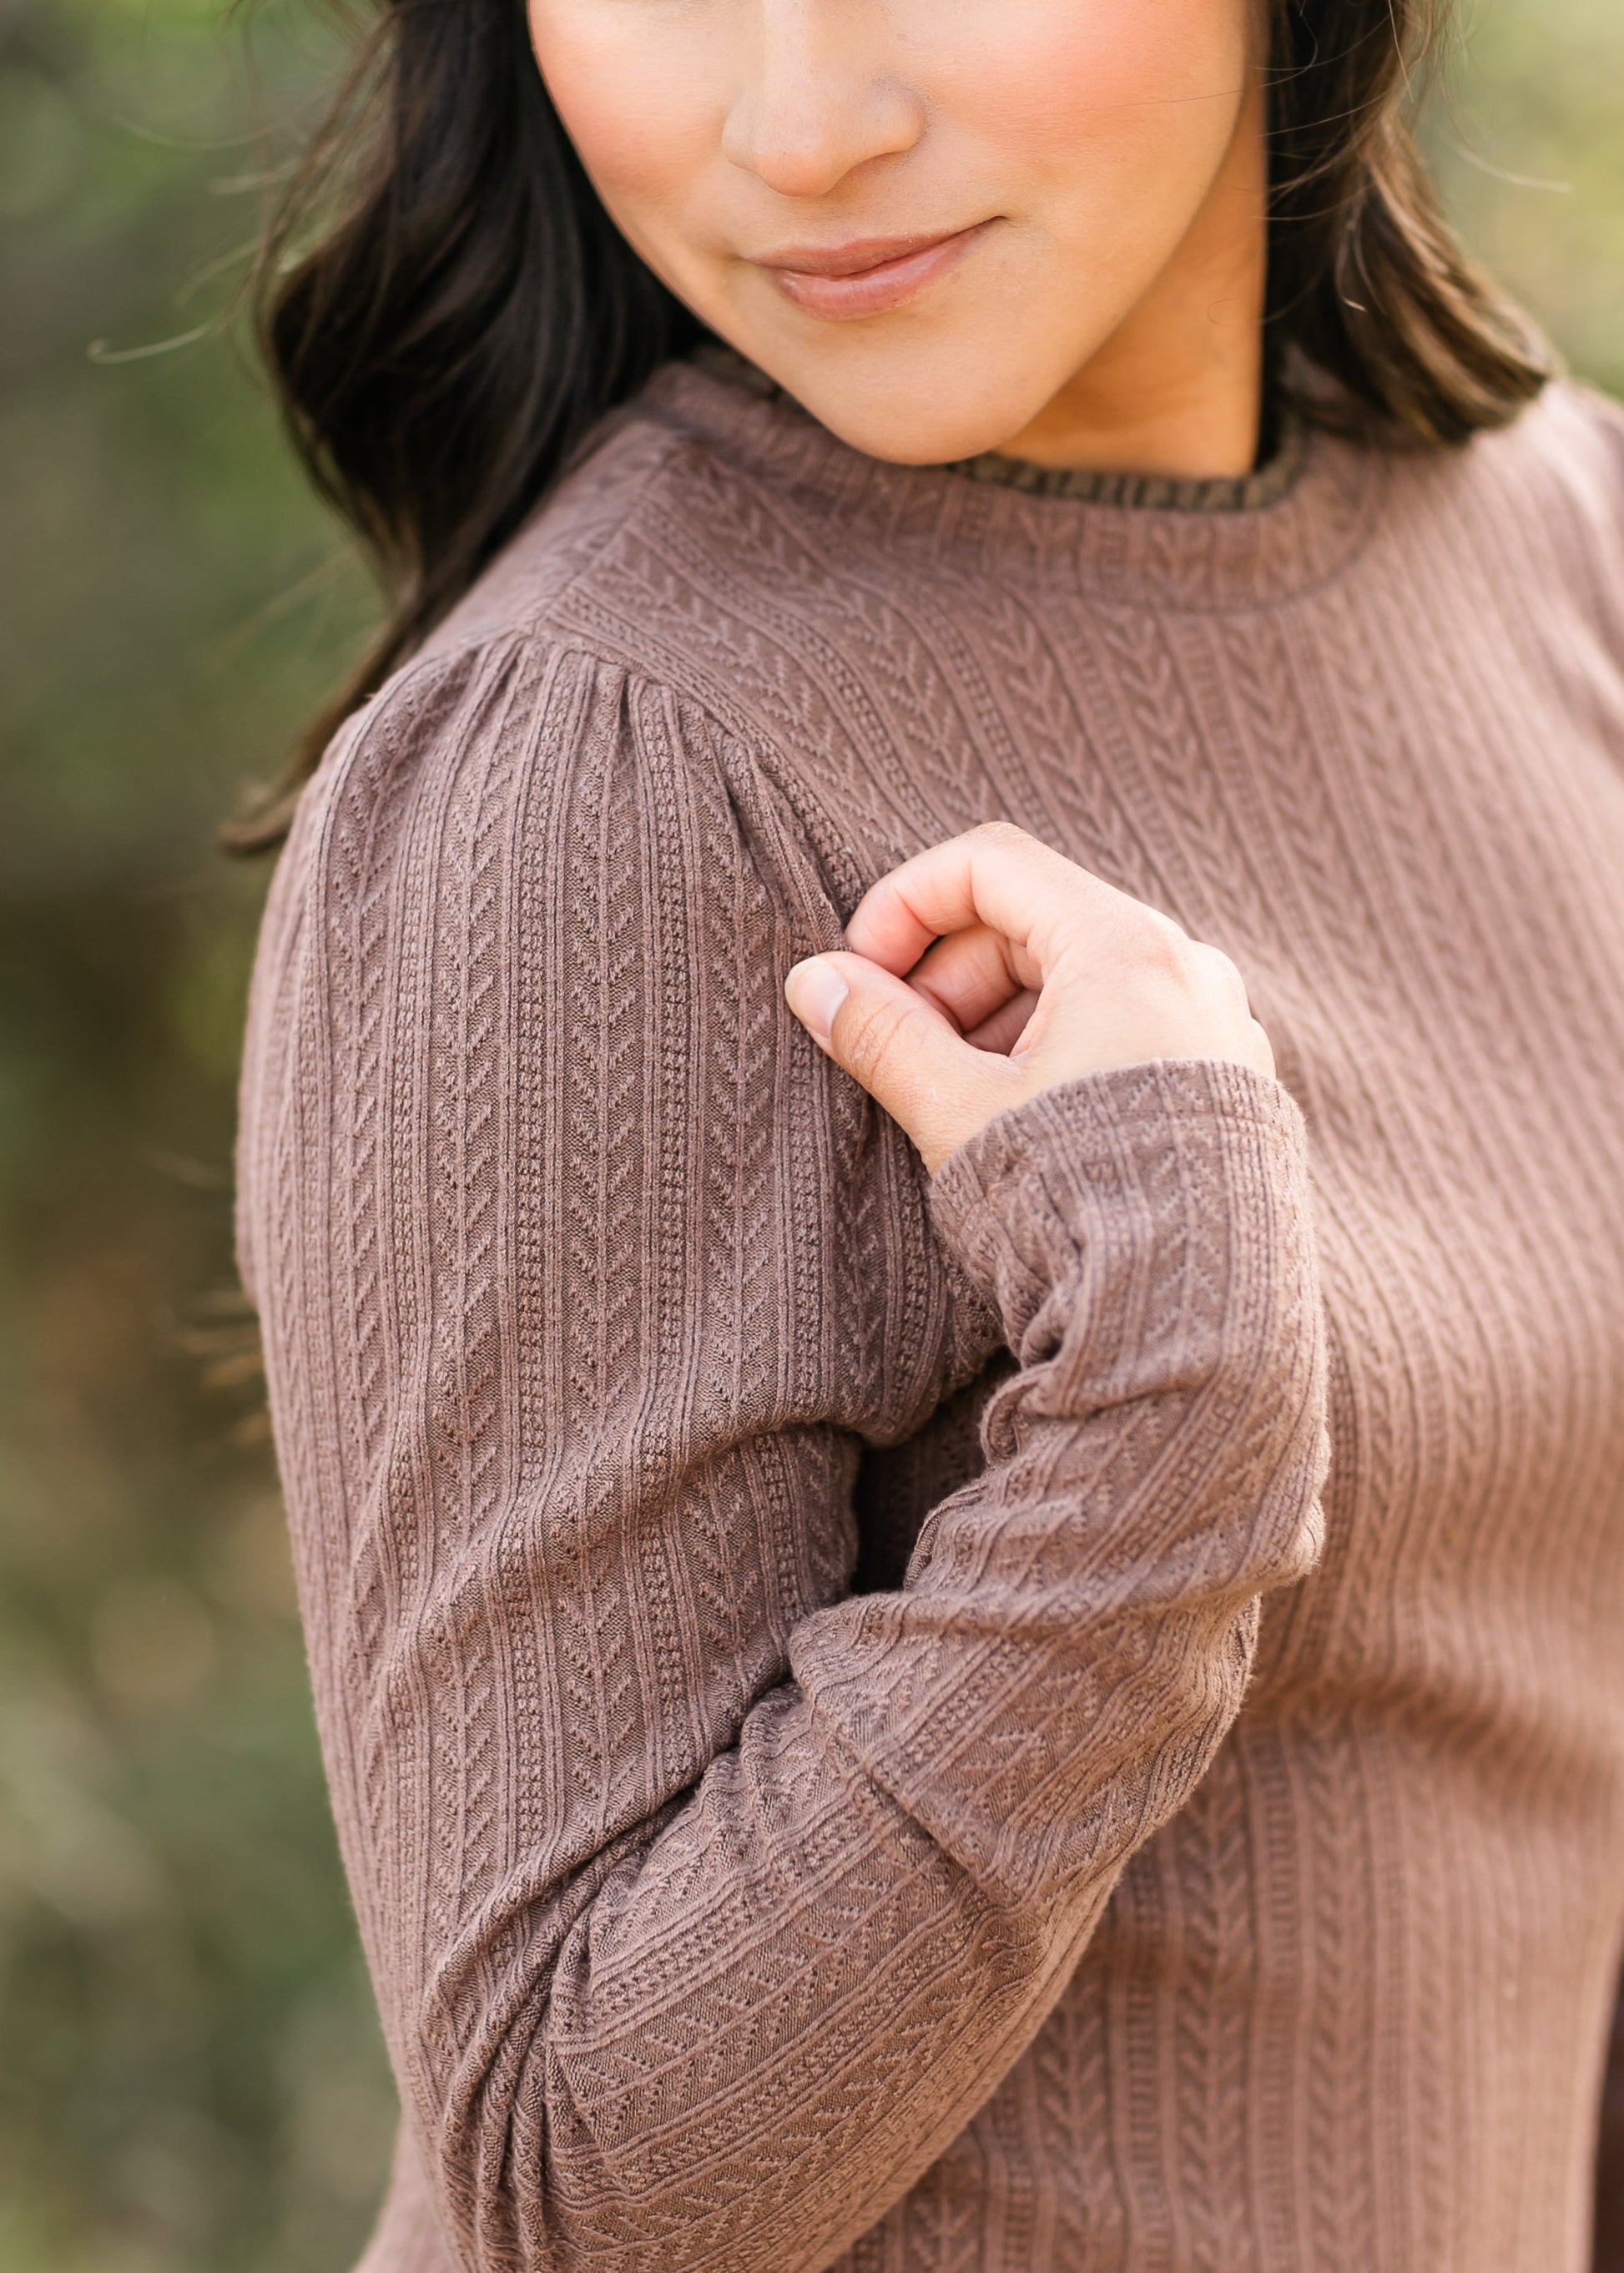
column 1191, row 1171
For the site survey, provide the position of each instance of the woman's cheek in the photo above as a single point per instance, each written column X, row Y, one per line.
column 638, row 115
column 1052, row 79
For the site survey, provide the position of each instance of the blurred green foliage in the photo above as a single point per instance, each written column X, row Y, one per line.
column 190, row 2076
column 1526, row 136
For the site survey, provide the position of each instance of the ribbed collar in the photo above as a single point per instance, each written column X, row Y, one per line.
column 1244, row 542
column 1150, row 493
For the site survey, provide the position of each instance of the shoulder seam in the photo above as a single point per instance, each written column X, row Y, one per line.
column 597, row 545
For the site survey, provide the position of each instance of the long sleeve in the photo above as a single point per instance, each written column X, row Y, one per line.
column 706, row 1900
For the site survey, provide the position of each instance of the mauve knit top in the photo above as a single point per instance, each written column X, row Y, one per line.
column 863, row 1729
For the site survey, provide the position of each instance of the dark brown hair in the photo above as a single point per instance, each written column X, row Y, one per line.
column 445, row 308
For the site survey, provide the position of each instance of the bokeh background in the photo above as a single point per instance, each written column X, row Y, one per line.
column 190, row 2079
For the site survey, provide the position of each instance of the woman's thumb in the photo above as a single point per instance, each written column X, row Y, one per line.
column 909, row 1057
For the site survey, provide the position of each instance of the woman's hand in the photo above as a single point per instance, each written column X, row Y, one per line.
column 990, row 968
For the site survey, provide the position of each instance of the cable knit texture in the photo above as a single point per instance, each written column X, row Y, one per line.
column 861, row 1731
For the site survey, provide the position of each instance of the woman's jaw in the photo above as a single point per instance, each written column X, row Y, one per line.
column 1029, row 227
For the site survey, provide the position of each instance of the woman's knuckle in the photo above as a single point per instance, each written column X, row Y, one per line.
column 871, row 1036
column 861, row 1047
column 1164, row 951
column 1222, row 971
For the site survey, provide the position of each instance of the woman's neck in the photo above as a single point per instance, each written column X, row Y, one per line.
column 1178, row 389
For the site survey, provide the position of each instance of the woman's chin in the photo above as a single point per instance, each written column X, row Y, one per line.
column 912, row 395
column 913, row 420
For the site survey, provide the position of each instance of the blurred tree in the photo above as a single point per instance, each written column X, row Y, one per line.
column 191, row 2077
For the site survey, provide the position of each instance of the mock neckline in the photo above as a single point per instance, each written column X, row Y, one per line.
column 1281, row 532
column 1149, row 493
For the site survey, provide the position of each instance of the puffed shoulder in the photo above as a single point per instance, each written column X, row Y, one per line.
column 513, row 698
column 527, row 822
column 517, row 736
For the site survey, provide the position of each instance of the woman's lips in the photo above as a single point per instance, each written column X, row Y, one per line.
column 869, row 277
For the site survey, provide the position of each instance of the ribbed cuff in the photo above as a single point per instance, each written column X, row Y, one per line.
column 1193, row 1170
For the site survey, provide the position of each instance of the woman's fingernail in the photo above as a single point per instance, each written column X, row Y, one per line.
column 815, row 991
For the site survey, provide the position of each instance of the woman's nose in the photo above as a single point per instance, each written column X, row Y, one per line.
column 818, row 100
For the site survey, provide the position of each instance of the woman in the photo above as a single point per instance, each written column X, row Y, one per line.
column 863, row 1729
